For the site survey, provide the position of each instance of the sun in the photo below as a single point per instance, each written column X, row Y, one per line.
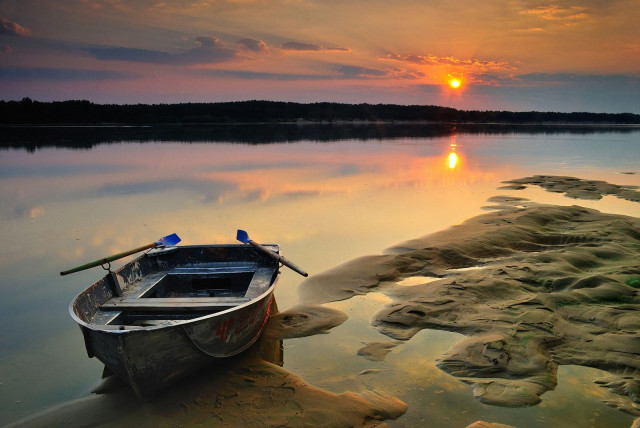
column 455, row 83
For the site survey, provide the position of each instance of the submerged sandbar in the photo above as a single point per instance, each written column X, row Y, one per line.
column 531, row 286
column 576, row 188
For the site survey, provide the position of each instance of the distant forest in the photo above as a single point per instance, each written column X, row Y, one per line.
column 28, row 111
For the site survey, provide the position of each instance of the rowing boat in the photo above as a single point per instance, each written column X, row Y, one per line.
column 174, row 310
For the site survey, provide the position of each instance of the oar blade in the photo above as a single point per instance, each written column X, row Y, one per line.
column 242, row 236
column 168, row 241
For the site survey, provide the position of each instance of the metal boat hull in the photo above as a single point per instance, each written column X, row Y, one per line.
column 149, row 356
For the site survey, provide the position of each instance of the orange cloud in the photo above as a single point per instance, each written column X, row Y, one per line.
column 449, row 60
column 558, row 13
column 530, row 30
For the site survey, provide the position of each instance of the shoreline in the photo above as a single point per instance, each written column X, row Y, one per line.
column 595, row 125
column 32, row 136
column 83, row 111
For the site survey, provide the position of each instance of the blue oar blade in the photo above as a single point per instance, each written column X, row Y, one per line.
column 169, row 240
column 242, row 236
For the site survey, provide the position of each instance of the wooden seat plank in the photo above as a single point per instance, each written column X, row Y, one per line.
column 172, row 303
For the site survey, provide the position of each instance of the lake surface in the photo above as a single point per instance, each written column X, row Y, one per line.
column 325, row 194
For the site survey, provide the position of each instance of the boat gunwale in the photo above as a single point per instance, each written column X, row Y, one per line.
column 137, row 329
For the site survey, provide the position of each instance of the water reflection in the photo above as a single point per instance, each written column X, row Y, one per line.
column 31, row 138
column 324, row 203
column 453, row 156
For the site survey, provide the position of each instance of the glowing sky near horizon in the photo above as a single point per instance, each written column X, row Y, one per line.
column 508, row 54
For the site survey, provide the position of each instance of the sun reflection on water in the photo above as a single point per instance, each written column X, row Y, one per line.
column 453, row 159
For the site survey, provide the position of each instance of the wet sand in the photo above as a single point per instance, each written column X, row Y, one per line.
column 303, row 320
column 531, row 286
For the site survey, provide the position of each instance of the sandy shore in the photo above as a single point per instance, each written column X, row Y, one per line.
column 531, row 286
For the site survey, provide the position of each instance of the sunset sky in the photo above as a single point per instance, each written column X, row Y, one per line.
column 507, row 54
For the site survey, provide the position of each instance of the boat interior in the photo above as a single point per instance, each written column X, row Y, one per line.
column 182, row 293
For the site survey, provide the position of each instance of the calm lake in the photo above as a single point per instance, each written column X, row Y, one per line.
column 326, row 194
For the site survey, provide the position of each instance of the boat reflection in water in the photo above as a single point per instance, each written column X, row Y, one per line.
column 221, row 392
column 249, row 389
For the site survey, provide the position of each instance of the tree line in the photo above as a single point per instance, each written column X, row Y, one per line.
column 27, row 111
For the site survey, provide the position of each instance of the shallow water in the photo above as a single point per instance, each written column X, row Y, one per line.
column 325, row 202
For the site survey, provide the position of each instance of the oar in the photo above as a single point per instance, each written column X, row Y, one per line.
column 167, row 241
column 243, row 236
